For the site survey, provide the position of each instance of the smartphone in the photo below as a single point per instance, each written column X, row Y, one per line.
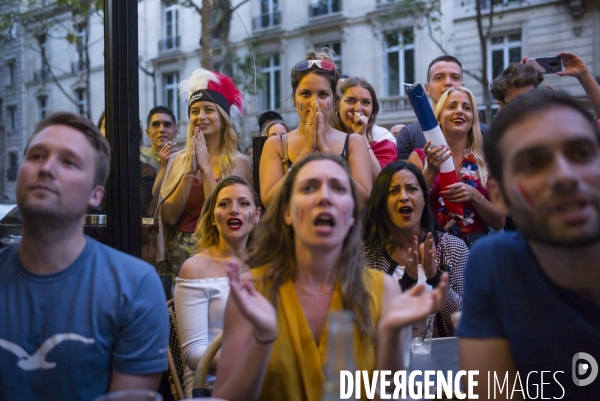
column 546, row 65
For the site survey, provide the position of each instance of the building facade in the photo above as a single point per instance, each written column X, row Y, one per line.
column 275, row 34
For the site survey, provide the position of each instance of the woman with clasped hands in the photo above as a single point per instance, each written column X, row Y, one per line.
column 314, row 92
column 210, row 153
column 307, row 263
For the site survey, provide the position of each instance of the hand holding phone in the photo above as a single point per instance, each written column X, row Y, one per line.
column 546, row 65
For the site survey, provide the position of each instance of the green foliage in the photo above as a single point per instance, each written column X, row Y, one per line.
column 246, row 72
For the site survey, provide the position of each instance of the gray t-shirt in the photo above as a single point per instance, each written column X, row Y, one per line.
column 61, row 335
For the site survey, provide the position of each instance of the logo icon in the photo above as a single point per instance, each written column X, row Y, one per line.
column 580, row 369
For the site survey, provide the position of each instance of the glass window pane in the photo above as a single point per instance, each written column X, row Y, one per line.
column 393, row 84
column 277, row 87
column 497, row 62
column 514, row 54
column 391, row 40
column 497, row 39
column 515, row 37
column 408, row 37
column 409, row 66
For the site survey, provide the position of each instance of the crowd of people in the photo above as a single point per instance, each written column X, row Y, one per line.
column 349, row 216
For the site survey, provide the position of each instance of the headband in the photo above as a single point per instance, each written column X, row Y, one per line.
column 211, row 96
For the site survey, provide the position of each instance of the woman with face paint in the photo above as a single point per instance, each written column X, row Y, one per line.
column 456, row 112
column 201, row 290
column 210, row 154
column 314, row 92
column 307, row 263
column 404, row 242
column 356, row 112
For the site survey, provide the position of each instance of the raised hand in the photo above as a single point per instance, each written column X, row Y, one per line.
column 359, row 123
column 428, row 256
column 165, row 153
column 461, row 192
column 321, row 143
column 200, row 151
column 414, row 305
column 436, row 155
column 256, row 308
column 310, row 131
column 412, row 262
column 573, row 64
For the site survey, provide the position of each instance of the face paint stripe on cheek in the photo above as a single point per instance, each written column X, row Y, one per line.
column 249, row 217
column 300, row 106
column 299, row 214
column 524, row 197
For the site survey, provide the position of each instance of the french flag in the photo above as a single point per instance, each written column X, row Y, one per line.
column 433, row 133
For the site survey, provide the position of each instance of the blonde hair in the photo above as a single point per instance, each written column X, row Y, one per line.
column 474, row 138
column 207, row 232
column 228, row 147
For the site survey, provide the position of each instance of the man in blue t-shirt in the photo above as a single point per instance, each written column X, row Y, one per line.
column 77, row 319
column 531, row 314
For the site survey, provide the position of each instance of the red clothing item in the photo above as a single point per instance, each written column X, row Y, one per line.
column 191, row 213
column 471, row 222
column 385, row 152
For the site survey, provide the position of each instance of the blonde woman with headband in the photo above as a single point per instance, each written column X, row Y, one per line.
column 201, row 290
column 210, row 154
column 314, row 93
column 456, row 112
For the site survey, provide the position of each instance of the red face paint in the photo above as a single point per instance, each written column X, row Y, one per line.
column 299, row 214
column 524, row 195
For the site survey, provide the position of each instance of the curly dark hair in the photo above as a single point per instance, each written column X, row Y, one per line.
column 516, row 75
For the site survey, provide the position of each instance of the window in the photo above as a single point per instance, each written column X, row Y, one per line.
column 82, row 104
column 13, row 166
column 335, row 52
column 503, row 50
column 269, row 14
column 324, row 7
column 270, row 96
column 399, row 63
column 42, row 102
column 170, row 28
column 12, row 117
column 170, row 98
column 12, row 72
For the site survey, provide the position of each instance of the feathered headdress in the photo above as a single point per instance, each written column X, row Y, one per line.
column 214, row 87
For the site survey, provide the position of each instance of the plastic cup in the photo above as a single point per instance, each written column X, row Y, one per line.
column 131, row 395
column 421, row 341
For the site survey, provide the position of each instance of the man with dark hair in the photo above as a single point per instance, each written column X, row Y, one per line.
column 532, row 297
column 443, row 72
column 79, row 318
column 162, row 130
column 266, row 117
column 516, row 79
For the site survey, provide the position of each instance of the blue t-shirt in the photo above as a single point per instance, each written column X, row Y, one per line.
column 507, row 295
column 61, row 335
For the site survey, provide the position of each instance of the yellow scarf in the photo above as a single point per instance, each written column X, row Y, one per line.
column 295, row 371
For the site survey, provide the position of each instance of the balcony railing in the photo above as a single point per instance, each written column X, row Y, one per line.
column 171, row 43
column 394, row 104
column 324, row 7
column 266, row 20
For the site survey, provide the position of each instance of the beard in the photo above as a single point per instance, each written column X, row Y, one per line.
column 538, row 229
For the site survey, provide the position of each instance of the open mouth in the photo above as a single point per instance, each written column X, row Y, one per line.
column 324, row 220
column 458, row 121
column 234, row 224
column 405, row 211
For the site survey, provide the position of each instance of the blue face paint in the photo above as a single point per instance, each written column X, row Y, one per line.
column 249, row 217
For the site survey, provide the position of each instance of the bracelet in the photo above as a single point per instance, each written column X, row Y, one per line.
column 481, row 201
column 264, row 342
column 193, row 175
column 300, row 154
column 369, row 148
